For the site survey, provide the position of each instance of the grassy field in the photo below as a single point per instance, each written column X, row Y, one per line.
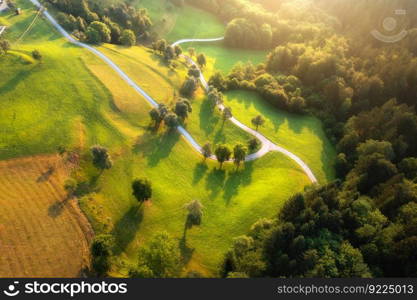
column 173, row 23
column 72, row 99
column 42, row 232
column 224, row 59
column 302, row 135
column 151, row 73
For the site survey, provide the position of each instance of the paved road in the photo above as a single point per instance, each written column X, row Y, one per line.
column 267, row 145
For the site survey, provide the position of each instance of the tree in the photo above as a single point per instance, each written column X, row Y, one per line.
column 101, row 251
column 239, row 154
column 253, row 144
column 161, row 258
column 4, row 45
column 128, row 38
column 214, row 98
column 98, row 32
column 171, row 121
column 227, row 114
column 191, row 52
column 189, row 87
column 195, row 212
column 155, row 116
column 70, row 186
column 101, row 157
column 169, row 53
column 201, row 60
column 258, row 121
column 206, row 150
column 223, row 154
column 161, row 46
column 178, row 50
column 37, row 55
column 193, row 71
column 218, row 81
column 142, row 189
column 183, row 108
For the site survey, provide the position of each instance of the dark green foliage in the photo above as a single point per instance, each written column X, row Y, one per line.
column 142, row 189
column 101, row 158
column 189, row 86
column 101, row 251
column 171, row 120
column 128, row 38
column 160, row 258
column 239, row 154
column 37, row 55
column 183, row 108
column 223, row 154
column 206, row 150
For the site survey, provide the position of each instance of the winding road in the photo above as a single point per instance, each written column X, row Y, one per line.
column 267, row 145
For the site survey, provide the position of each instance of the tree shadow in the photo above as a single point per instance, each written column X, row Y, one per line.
column 46, row 175
column 199, row 171
column 13, row 82
column 215, row 182
column 236, row 179
column 156, row 147
column 186, row 251
column 55, row 210
column 208, row 118
column 126, row 227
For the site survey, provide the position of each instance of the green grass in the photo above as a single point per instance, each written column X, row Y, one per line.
column 233, row 200
column 73, row 99
column 302, row 135
column 151, row 73
column 43, row 102
column 224, row 59
column 174, row 23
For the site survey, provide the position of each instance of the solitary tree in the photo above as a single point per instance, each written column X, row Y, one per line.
column 191, row 52
column 101, row 158
column 142, row 189
column 195, row 212
column 201, row 60
column 183, row 108
column 223, row 154
column 206, row 150
column 239, row 154
column 253, row 144
column 227, row 114
column 37, row 55
column 171, row 121
column 258, row 121
column 161, row 45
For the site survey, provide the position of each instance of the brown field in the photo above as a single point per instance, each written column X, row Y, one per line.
column 42, row 232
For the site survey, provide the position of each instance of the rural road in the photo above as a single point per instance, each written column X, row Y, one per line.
column 267, row 145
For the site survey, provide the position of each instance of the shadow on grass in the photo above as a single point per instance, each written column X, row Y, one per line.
column 126, row 228
column 55, row 210
column 199, row 171
column 186, row 251
column 46, row 175
column 236, row 179
column 156, row 147
column 13, row 82
column 208, row 118
column 215, row 182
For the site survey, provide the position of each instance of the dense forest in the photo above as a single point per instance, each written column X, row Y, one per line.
column 89, row 21
column 365, row 223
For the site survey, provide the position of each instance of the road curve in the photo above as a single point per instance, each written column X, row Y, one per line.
column 267, row 145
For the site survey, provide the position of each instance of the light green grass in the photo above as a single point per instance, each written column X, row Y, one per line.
column 233, row 201
column 224, row 59
column 151, row 73
column 61, row 102
column 43, row 102
column 302, row 135
column 174, row 23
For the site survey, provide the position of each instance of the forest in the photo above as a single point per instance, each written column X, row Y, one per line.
column 365, row 223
